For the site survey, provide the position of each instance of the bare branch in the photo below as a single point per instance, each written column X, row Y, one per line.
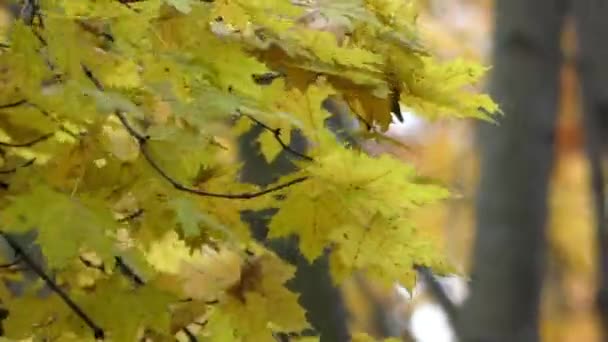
column 97, row 331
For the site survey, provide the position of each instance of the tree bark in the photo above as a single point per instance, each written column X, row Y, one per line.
column 592, row 28
column 516, row 158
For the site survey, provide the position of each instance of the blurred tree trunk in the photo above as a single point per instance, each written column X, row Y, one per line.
column 516, row 159
column 592, row 28
column 320, row 298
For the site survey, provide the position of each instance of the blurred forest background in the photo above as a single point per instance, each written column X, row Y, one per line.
column 447, row 151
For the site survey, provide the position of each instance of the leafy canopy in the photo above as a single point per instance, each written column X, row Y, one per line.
column 117, row 131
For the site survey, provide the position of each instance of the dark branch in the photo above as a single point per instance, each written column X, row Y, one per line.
column 89, row 74
column 128, row 272
column 266, row 78
column 14, row 169
column 276, row 132
column 142, row 139
column 13, row 104
column 90, row 264
column 201, row 324
column 189, row 334
column 438, row 293
column 244, row 195
column 97, row 331
column 12, row 263
column 44, row 112
column 137, row 213
column 27, row 143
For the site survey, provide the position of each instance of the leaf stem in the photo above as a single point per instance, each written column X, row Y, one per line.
column 97, row 331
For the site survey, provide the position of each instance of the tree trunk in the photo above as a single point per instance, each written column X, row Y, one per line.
column 319, row 297
column 516, row 159
column 592, row 29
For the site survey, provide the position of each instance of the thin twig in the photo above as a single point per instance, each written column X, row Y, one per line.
column 12, row 263
column 276, row 132
column 90, row 264
column 201, row 324
column 44, row 112
column 14, row 169
column 244, row 195
column 189, row 334
column 142, row 139
column 28, row 143
column 89, row 74
column 438, row 293
column 97, row 331
column 62, row 127
column 128, row 272
column 137, row 213
column 13, row 104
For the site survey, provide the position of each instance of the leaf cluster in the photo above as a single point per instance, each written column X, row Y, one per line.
column 117, row 137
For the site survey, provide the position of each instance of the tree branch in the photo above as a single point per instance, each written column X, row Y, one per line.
column 137, row 213
column 43, row 112
column 128, row 272
column 28, row 143
column 14, row 169
column 142, row 140
column 438, row 293
column 97, row 331
column 15, row 262
column 191, row 337
column 13, row 104
column 276, row 132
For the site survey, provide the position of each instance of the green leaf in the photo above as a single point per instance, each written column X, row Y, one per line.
column 66, row 225
column 188, row 216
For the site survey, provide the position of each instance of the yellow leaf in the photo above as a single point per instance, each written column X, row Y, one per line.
column 120, row 143
column 210, row 273
column 269, row 145
column 260, row 304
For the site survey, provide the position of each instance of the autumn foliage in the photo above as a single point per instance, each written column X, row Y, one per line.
column 117, row 129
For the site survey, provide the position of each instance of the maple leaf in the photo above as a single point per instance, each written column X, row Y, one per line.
column 123, row 310
column 65, row 225
column 260, row 296
column 176, row 71
column 188, row 215
column 356, row 248
column 343, row 186
column 210, row 273
column 22, row 319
